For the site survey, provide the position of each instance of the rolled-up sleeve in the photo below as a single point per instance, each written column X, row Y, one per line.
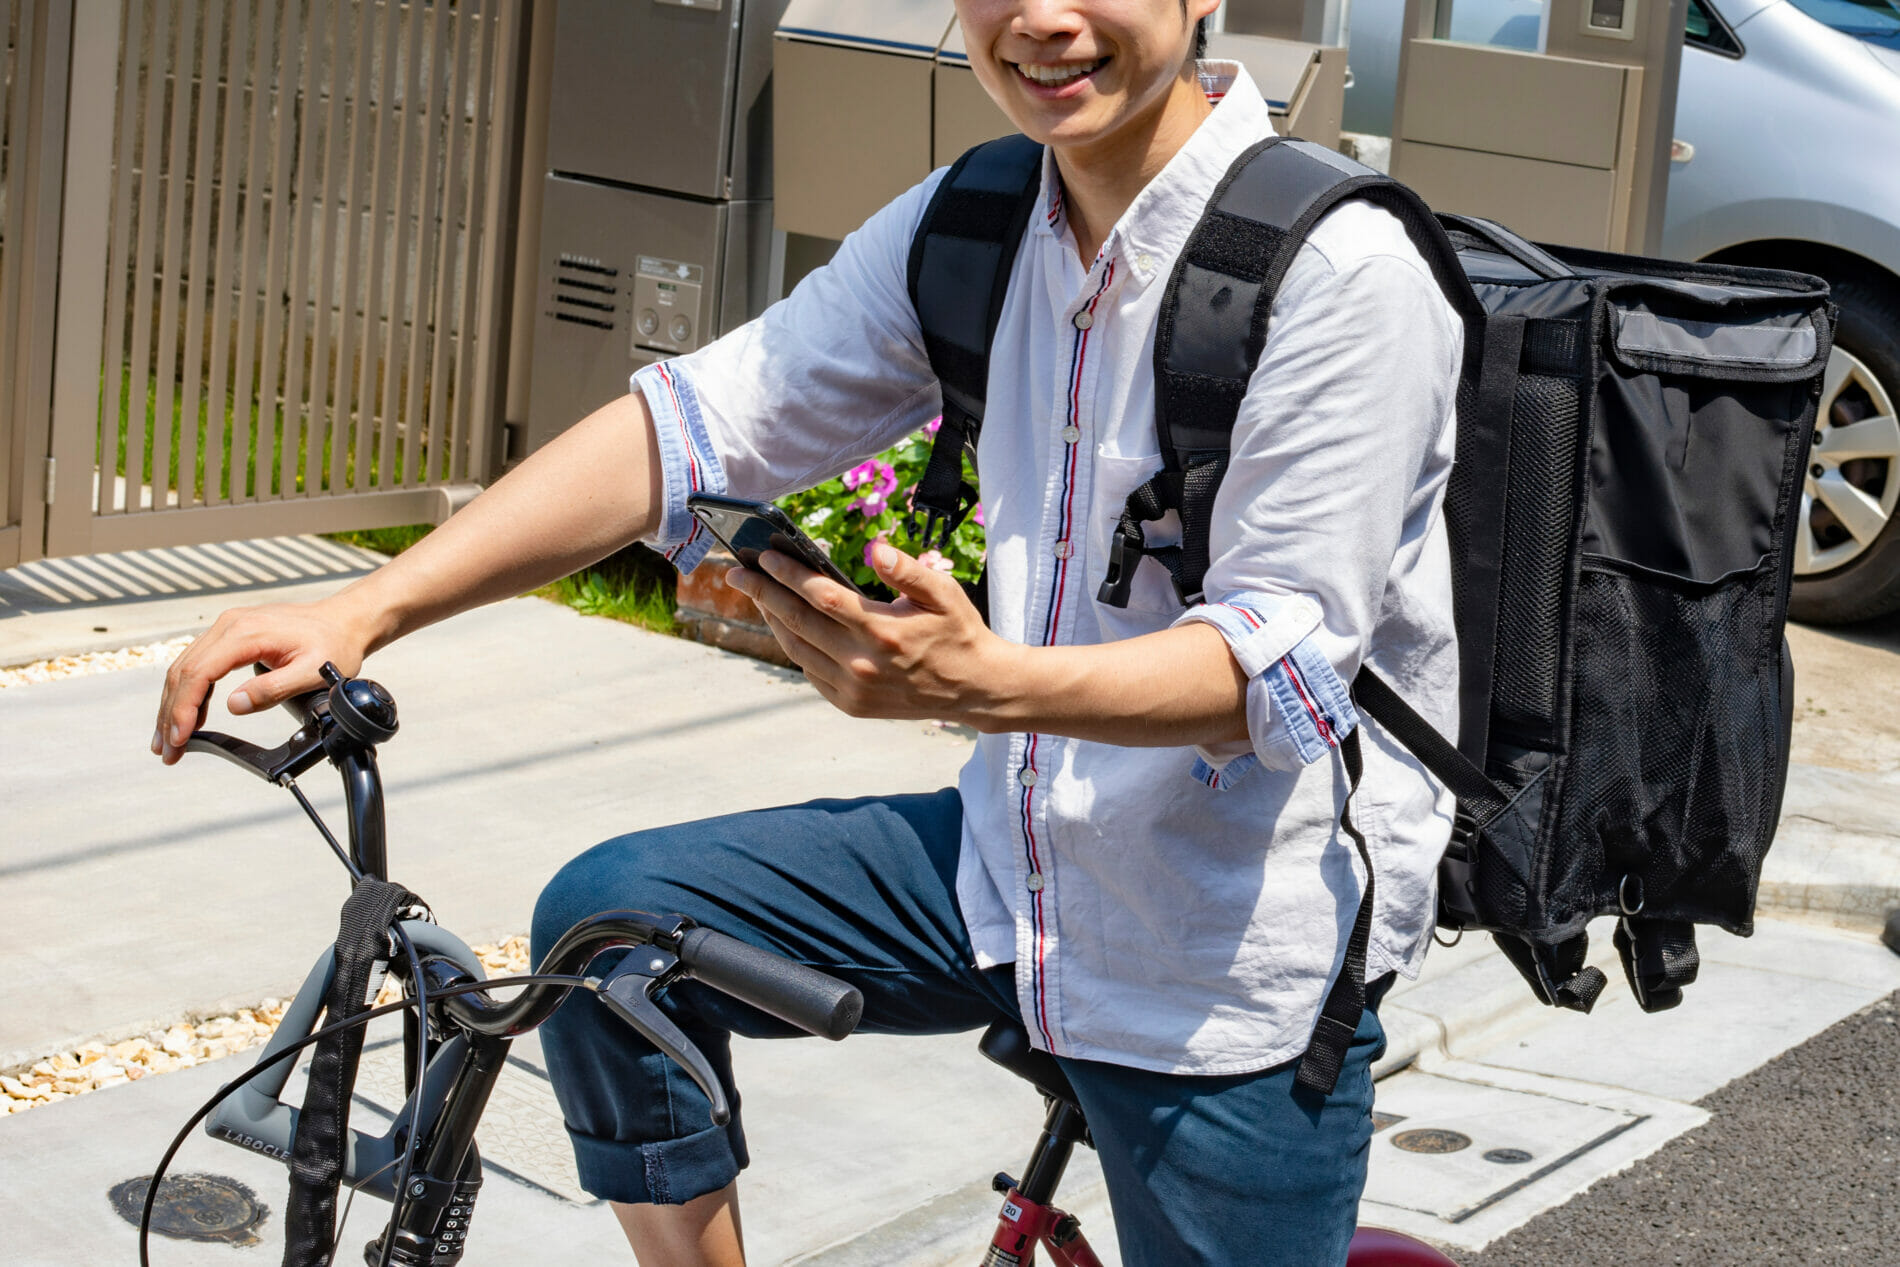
column 827, row 377
column 1341, row 451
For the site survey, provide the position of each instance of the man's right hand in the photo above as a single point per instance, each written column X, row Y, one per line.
column 292, row 639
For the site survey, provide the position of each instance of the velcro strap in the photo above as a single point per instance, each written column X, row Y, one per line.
column 1659, row 958
column 942, row 495
column 1557, row 974
column 316, row 1160
column 1345, row 1002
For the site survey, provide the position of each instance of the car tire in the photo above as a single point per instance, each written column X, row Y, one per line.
column 1866, row 583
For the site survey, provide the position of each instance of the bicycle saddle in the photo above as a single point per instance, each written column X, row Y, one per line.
column 1007, row 1043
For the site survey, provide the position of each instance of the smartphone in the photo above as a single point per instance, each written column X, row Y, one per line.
column 749, row 529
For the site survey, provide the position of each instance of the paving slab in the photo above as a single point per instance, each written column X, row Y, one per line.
column 1754, row 999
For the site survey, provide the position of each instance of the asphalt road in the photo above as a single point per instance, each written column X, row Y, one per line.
column 1799, row 1164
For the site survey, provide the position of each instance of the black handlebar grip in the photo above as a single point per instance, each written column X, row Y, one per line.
column 802, row 996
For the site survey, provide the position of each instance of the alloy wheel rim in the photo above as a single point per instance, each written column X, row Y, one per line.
column 1852, row 484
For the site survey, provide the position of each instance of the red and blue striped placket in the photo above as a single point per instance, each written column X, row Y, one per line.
column 1065, row 527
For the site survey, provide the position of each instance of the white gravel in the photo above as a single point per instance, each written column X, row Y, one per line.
column 91, row 1066
column 151, row 653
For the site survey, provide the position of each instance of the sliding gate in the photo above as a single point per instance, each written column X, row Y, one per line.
column 285, row 242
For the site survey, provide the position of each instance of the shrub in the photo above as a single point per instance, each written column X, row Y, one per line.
column 871, row 501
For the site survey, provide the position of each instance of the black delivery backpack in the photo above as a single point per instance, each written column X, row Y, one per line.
column 1622, row 511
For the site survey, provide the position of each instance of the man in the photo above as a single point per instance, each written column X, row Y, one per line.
column 1143, row 860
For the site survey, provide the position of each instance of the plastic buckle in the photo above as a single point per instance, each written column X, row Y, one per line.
column 1120, row 578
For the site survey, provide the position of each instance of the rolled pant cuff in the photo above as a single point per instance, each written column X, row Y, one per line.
column 664, row 1172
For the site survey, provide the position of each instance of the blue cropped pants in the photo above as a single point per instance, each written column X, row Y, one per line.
column 1224, row 1170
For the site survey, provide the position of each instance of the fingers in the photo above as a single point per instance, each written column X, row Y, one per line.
column 818, row 666
column 817, row 609
column 289, row 640
column 820, row 593
column 267, row 690
column 924, row 586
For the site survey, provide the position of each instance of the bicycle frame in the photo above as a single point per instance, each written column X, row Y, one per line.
column 1028, row 1219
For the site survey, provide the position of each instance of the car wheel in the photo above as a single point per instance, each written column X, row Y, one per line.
column 1847, row 548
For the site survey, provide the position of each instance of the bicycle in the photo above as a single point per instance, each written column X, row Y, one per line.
column 455, row 1037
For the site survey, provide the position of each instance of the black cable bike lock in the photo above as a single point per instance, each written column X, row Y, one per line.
column 316, row 1163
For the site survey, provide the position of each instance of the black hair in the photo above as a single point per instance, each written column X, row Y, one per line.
column 1200, row 39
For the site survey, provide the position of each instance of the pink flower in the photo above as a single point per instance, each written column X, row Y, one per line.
column 871, row 505
column 934, row 560
column 868, row 547
column 931, row 428
column 861, row 474
column 976, row 514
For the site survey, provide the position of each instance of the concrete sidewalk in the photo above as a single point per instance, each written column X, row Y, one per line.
column 137, row 895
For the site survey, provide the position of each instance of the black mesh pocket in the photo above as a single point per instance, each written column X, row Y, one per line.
column 1540, row 521
column 1677, row 749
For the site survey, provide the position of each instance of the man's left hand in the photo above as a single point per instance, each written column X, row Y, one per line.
column 926, row 655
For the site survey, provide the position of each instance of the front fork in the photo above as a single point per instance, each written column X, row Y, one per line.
column 1028, row 1219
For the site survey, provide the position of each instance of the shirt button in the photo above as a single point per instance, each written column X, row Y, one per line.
column 1144, row 261
column 1084, row 319
column 1064, row 549
column 1027, row 778
column 1071, row 434
column 1034, row 882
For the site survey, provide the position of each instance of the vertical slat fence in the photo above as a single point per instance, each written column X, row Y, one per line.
column 306, row 235
column 16, row 38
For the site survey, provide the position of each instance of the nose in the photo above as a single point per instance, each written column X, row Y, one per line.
column 1046, row 20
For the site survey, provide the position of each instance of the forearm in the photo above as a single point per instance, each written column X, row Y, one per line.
column 587, row 493
column 1177, row 687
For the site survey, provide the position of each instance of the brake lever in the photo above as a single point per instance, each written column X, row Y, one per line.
column 273, row 765
column 288, row 759
column 628, row 994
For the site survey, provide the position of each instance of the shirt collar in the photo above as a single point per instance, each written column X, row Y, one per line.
column 1156, row 225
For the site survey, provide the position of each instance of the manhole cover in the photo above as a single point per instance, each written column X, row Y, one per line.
column 194, row 1208
column 1431, row 1140
column 1508, row 1156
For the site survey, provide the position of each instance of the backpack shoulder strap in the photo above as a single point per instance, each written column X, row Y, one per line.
column 960, row 262
column 1213, row 327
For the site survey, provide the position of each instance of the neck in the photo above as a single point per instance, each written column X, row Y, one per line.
column 1100, row 178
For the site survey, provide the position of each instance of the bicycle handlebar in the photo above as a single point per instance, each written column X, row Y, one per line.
column 802, row 996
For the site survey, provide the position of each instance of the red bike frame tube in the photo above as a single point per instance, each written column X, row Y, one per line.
column 1023, row 1225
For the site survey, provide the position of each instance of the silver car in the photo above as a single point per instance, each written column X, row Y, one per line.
column 1788, row 123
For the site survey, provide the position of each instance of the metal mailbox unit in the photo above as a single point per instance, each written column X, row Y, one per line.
column 853, row 84
column 656, row 216
column 1567, row 145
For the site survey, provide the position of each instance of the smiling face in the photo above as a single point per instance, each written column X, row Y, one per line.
column 1087, row 75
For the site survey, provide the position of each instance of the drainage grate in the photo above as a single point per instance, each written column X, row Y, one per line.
column 194, row 1208
column 1431, row 1140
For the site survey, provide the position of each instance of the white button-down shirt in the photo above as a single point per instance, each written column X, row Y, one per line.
column 1173, row 909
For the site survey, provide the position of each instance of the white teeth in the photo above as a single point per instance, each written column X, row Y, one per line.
column 1056, row 74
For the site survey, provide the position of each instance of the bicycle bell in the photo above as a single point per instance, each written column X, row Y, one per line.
column 361, row 708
